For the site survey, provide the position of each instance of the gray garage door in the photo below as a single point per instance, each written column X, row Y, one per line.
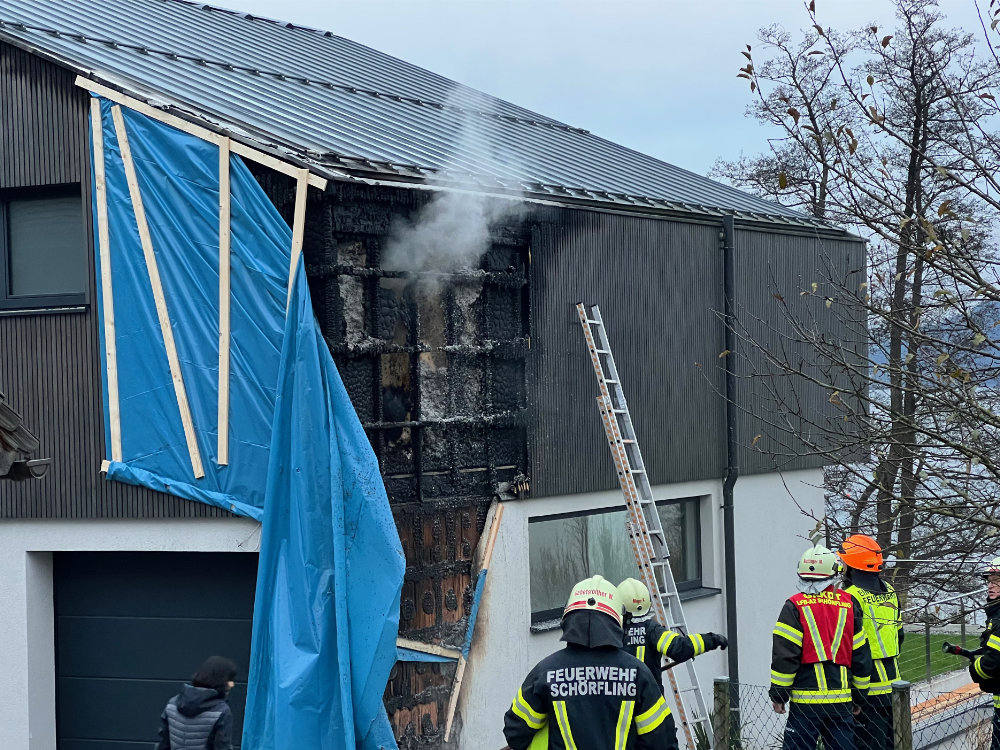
column 132, row 627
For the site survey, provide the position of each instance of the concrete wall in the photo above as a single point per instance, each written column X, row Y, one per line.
column 770, row 534
column 27, row 637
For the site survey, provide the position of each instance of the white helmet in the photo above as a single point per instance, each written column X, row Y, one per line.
column 635, row 596
column 596, row 593
column 818, row 563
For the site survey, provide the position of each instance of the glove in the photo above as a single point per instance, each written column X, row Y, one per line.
column 714, row 640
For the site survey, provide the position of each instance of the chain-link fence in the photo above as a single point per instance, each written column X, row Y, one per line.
column 911, row 718
column 957, row 620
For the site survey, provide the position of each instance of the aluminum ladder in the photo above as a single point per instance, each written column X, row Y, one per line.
column 649, row 544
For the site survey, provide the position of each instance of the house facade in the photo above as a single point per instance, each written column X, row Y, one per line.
column 444, row 277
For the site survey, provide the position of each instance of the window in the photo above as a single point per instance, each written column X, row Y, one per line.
column 567, row 548
column 43, row 248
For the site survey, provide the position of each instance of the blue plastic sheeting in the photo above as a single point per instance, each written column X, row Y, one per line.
column 331, row 563
column 409, row 654
column 329, row 558
column 179, row 182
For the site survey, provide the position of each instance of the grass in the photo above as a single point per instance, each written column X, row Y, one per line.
column 913, row 656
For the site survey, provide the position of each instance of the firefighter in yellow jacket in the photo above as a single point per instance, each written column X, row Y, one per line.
column 820, row 659
column 862, row 558
column 590, row 695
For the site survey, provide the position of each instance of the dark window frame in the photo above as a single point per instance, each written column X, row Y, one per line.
column 694, row 584
column 39, row 303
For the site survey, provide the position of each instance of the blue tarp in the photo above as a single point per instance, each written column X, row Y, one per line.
column 331, row 564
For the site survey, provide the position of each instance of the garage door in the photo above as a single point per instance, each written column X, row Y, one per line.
column 132, row 627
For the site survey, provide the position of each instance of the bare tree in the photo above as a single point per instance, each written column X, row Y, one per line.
column 892, row 133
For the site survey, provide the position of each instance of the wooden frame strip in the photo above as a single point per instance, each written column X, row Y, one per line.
column 107, row 293
column 198, row 131
column 222, row 457
column 298, row 227
column 429, row 648
column 161, row 304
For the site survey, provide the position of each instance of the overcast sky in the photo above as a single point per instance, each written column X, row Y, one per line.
column 658, row 76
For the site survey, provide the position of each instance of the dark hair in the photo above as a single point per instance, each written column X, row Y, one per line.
column 216, row 672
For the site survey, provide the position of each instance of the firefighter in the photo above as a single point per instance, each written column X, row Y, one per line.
column 647, row 640
column 985, row 668
column 591, row 695
column 819, row 658
column 862, row 558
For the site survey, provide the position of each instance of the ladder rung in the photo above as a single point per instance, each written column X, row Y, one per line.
column 614, row 382
column 602, row 351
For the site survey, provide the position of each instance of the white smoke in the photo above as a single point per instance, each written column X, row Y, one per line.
column 452, row 232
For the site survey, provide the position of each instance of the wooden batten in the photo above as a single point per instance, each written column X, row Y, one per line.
column 157, row 288
column 197, row 131
column 298, row 226
column 222, row 457
column 107, row 293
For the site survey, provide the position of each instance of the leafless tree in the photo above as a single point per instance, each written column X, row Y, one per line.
column 893, row 134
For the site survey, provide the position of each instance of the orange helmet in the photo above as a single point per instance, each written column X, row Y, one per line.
column 861, row 553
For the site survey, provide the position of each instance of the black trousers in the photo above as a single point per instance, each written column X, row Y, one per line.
column 806, row 726
column 873, row 726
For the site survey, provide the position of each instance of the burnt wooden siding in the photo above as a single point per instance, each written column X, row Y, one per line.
column 50, row 366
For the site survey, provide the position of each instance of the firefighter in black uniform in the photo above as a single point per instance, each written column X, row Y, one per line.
column 985, row 668
column 820, row 658
column 591, row 695
column 649, row 642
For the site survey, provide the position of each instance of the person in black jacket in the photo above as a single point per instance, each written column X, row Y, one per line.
column 820, row 659
column 198, row 717
column 591, row 695
column 985, row 668
column 648, row 641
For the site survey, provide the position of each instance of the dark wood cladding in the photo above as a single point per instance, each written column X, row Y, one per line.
column 775, row 274
column 659, row 286
column 40, row 127
column 50, row 364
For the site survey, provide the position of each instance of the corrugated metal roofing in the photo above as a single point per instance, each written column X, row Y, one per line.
column 337, row 104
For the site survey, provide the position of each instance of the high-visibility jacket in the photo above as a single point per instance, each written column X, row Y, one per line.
column 985, row 668
column 648, row 641
column 883, row 629
column 819, row 652
column 590, row 699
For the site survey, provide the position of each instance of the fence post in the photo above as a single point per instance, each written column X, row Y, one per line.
column 902, row 727
column 721, row 718
column 963, row 615
column 927, row 648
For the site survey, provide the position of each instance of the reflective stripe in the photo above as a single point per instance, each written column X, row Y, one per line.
column 787, row 631
column 624, row 724
column 640, row 654
column 528, row 715
column 861, row 683
column 817, row 641
column 665, row 640
column 651, row 719
column 699, row 644
column 838, row 634
column 859, row 640
column 996, row 701
column 979, row 668
column 782, row 679
column 880, row 670
column 994, row 642
column 821, row 677
column 821, row 696
column 559, row 709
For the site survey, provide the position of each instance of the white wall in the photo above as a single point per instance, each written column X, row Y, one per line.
column 771, row 535
column 770, row 532
column 27, row 658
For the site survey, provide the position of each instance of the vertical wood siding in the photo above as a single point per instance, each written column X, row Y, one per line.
column 659, row 286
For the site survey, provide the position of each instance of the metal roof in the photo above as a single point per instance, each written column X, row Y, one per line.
column 333, row 104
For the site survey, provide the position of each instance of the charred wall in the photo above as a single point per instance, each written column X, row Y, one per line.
column 434, row 363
